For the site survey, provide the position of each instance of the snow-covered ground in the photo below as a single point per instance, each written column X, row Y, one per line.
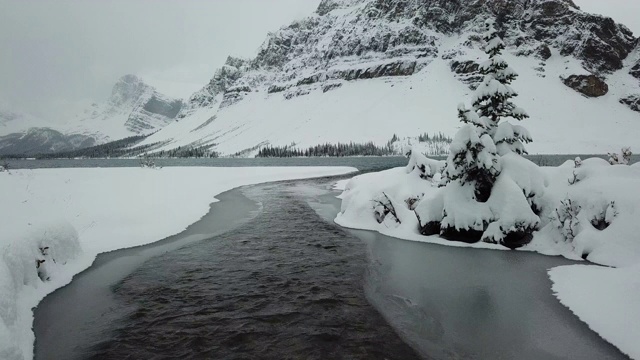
column 66, row 217
column 601, row 224
column 607, row 299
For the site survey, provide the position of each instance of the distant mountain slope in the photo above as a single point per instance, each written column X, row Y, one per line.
column 41, row 141
column 360, row 70
column 134, row 108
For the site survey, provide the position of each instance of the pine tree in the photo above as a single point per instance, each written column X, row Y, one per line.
column 473, row 160
column 492, row 100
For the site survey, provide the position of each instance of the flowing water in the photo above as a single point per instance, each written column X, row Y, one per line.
column 267, row 275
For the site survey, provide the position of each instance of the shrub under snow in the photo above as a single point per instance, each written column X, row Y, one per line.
column 30, row 261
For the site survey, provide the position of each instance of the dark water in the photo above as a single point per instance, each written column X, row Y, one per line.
column 364, row 164
column 373, row 163
column 286, row 283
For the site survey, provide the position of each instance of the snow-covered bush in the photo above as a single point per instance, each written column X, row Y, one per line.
column 4, row 167
column 492, row 193
column 624, row 158
column 424, row 167
column 384, row 206
column 28, row 262
column 147, row 163
column 596, row 218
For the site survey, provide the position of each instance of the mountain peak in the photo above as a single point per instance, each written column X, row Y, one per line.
column 129, row 88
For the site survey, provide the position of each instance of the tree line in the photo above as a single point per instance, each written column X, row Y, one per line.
column 331, row 150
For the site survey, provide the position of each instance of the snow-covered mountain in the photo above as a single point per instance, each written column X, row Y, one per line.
column 363, row 70
column 134, row 108
column 41, row 140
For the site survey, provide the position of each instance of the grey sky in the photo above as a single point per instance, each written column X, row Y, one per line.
column 623, row 11
column 59, row 55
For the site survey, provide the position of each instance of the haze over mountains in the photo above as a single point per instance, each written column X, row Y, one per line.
column 364, row 70
column 134, row 108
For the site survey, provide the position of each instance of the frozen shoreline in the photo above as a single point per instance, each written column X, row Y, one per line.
column 67, row 217
column 598, row 296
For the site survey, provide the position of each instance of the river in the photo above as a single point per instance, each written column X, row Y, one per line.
column 268, row 275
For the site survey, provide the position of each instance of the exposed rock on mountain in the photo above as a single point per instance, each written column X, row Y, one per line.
column 632, row 101
column 468, row 72
column 635, row 71
column 588, row 85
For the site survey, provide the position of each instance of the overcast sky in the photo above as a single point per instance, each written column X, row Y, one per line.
column 58, row 55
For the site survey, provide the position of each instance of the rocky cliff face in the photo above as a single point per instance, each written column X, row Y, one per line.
column 362, row 39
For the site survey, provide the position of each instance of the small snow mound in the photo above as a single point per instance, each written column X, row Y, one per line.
column 30, row 261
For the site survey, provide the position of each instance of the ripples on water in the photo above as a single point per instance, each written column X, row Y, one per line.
column 286, row 286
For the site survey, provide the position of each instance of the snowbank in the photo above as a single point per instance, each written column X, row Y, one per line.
column 607, row 299
column 587, row 209
column 54, row 222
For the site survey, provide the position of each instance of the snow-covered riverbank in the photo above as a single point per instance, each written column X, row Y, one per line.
column 600, row 223
column 66, row 217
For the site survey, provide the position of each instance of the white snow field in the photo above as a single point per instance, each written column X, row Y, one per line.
column 601, row 224
column 67, row 217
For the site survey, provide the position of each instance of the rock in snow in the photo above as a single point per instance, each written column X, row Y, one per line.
column 588, row 85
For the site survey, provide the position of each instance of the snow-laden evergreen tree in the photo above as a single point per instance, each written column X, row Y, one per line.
column 492, row 100
column 473, row 160
column 492, row 193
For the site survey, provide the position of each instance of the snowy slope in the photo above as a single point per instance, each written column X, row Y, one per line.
column 362, row 70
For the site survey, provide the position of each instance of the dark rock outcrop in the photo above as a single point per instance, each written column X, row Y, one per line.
column 632, row 101
column 635, row 71
column 430, row 228
column 469, row 236
column 588, row 85
column 396, row 68
column 543, row 52
column 517, row 239
column 160, row 106
column 468, row 72
column 331, row 86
